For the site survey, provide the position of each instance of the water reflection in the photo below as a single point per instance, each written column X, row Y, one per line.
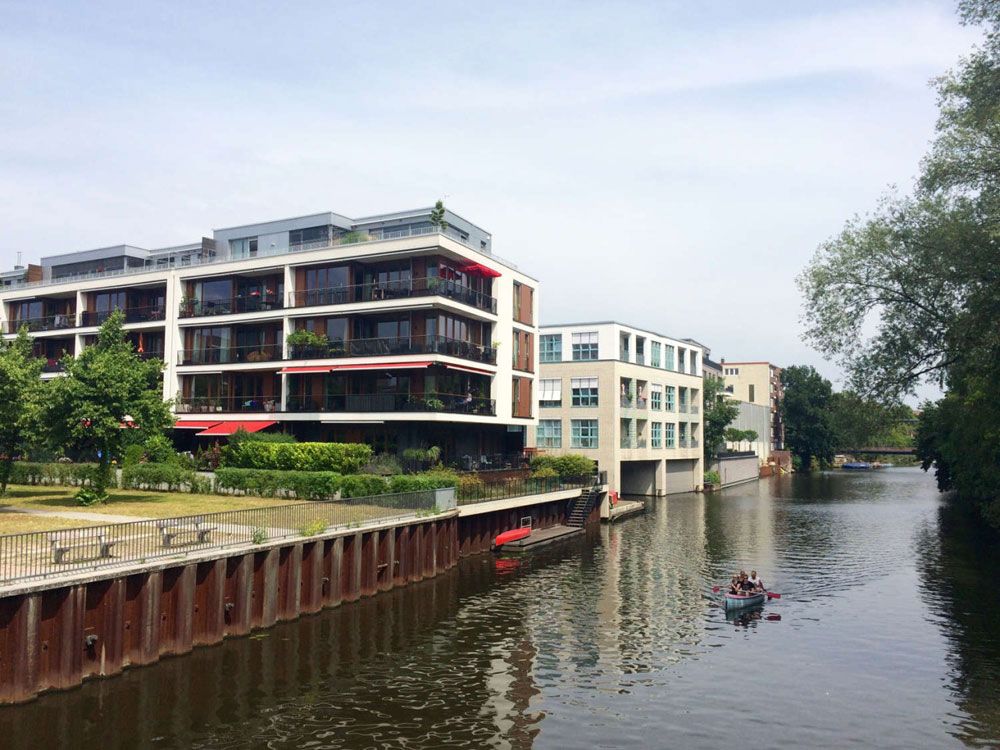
column 614, row 640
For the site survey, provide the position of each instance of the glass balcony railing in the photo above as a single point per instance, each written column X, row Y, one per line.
column 145, row 314
column 682, row 408
column 375, row 291
column 451, row 403
column 223, row 404
column 248, row 303
column 47, row 323
column 228, row 355
column 693, row 409
column 398, row 346
column 682, row 442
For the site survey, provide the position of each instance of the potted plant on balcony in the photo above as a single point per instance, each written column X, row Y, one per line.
column 187, row 306
column 302, row 341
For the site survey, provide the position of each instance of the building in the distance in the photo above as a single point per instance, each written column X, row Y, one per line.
column 758, row 383
column 388, row 330
column 626, row 397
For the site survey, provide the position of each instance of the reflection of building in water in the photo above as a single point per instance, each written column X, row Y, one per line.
column 511, row 684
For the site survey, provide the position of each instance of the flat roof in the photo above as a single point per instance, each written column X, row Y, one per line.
column 724, row 362
column 615, row 323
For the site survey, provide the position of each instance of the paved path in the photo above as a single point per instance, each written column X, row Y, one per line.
column 76, row 515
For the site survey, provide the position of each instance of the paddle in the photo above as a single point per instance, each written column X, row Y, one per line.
column 772, row 595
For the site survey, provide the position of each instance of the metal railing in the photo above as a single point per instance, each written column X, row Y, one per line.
column 221, row 356
column 145, row 314
column 471, row 492
column 46, row 323
column 42, row 554
column 246, row 303
column 451, row 403
column 373, row 291
column 53, row 365
column 226, row 404
column 395, row 346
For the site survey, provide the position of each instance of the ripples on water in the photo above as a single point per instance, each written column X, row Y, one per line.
column 882, row 638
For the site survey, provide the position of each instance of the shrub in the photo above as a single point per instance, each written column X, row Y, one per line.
column 712, row 477
column 343, row 458
column 62, row 474
column 574, row 465
column 133, row 455
column 88, row 496
column 242, row 435
column 314, row 527
column 153, row 476
column 469, row 486
column 159, row 450
column 543, row 462
column 363, row 485
column 384, row 464
column 544, row 472
column 426, row 481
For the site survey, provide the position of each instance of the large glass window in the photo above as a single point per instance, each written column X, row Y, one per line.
column 550, row 347
column 656, row 397
column 585, row 346
column 551, row 392
column 668, row 402
column 305, row 239
column 654, row 353
column 583, row 433
column 584, row 391
column 668, row 356
column 105, row 302
column 669, row 435
column 243, row 248
column 548, row 434
column 656, row 435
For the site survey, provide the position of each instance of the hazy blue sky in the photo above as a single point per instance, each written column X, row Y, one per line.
column 667, row 164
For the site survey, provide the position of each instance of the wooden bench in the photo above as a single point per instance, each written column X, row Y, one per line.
column 66, row 541
column 171, row 529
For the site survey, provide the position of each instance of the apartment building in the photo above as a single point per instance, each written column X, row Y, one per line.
column 758, row 383
column 388, row 330
column 630, row 399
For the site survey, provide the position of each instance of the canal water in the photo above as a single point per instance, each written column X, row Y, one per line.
column 887, row 634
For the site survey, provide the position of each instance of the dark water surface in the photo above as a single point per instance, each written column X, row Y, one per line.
column 887, row 635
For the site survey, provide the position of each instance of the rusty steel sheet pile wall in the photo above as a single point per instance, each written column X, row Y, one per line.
column 54, row 635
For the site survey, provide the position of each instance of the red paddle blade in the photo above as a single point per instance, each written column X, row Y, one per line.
column 715, row 589
column 772, row 595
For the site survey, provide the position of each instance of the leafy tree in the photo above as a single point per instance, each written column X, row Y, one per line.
column 437, row 216
column 106, row 387
column 805, row 410
column 719, row 414
column 750, row 436
column 20, row 398
column 732, row 435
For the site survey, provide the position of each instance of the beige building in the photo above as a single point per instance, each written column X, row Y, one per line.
column 630, row 399
column 758, row 383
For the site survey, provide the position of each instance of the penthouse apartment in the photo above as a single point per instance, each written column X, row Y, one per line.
column 628, row 398
column 758, row 383
column 388, row 330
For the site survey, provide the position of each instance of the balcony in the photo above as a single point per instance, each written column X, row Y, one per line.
column 431, row 286
column 641, row 403
column 693, row 409
column 224, row 404
column 132, row 315
column 395, row 346
column 53, row 365
column 694, row 442
column 682, row 442
column 449, row 403
column 682, row 408
column 249, row 303
column 628, row 443
column 232, row 354
column 47, row 323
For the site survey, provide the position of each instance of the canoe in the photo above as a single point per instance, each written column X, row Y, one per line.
column 737, row 601
column 858, row 465
column 512, row 536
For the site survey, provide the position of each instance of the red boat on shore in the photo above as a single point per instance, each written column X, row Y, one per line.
column 511, row 536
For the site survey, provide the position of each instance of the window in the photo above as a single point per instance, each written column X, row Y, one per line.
column 640, row 350
column 624, row 347
column 585, row 345
column 732, row 371
column 583, row 433
column 548, row 434
column 654, row 353
column 243, row 248
column 668, row 356
column 669, row 435
column 668, row 403
column 656, row 435
column 694, row 362
column 516, row 352
column 551, row 393
column 681, row 357
column 517, row 301
column 656, row 397
column 550, row 347
column 751, row 394
column 306, row 239
column 584, row 391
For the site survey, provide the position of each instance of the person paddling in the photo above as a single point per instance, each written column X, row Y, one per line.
column 758, row 584
column 734, row 585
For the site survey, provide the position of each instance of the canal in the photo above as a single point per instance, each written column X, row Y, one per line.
column 887, row 634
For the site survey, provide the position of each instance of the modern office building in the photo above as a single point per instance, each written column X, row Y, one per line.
column 388, row 330
column 628, row 398
column 758, row 383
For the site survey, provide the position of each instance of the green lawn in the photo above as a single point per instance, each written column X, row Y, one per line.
column 133, row 502
column 19, row 523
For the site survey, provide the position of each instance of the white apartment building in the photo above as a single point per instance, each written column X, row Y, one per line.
column 758, row 383
column 388, row 330
column 630, row 399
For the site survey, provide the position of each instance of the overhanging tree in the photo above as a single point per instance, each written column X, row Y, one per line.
column 805, row 410
column 20, row 399
column 108, row 390
column 719, row 414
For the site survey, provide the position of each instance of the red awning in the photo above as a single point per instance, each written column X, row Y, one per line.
column 314, row 368
column 228, row 428
column 463, row 368
column 195, row 425
column 477, row 269
column 384, row 366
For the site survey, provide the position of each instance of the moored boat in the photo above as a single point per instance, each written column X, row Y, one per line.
column 856, row 465
column 511, row 536
column 737, row 601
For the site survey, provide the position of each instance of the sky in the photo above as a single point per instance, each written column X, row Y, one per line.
column 670, row 165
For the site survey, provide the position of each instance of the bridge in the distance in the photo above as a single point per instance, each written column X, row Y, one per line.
column 880, row 451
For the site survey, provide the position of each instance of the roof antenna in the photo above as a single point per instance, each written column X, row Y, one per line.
column 18, row 265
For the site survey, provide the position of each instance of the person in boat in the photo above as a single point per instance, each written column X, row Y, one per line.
column 758, row 585
column 746, row 588
column 734, row 584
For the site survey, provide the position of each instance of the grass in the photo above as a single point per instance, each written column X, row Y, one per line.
column 20, row 523
column 133, row 502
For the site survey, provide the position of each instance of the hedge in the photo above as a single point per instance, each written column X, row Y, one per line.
column 67, row 475
column 570, row 465
column 341, row 458
column 321, row 485
column 153, row 476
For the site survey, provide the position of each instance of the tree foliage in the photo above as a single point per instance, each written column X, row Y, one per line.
column 719, row 414
column 805, row 410
column 20, row 398
column 106, row 387
column 859, row 422
column 437, row 216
